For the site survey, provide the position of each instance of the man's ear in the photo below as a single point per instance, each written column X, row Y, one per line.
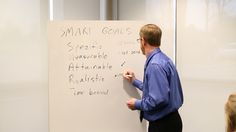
column 144, row 42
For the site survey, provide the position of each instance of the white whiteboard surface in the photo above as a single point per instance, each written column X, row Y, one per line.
column 87, row 92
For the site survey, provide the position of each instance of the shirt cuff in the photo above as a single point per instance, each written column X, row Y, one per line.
column 138, row 104
column 136, row 83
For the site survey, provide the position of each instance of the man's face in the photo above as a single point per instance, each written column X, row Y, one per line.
column 142, row 46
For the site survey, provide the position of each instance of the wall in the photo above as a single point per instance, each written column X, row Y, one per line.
column 76, row 9
column 206, row 54
column 23, row 70
column 153, row 11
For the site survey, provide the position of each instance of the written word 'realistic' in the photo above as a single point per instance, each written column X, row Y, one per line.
column 85, row 79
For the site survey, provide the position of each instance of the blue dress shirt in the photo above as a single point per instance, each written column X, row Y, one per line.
column 161, row 87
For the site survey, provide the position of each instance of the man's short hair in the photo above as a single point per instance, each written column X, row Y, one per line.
column 151, row 34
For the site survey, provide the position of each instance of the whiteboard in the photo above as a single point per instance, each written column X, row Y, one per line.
column 87, row 92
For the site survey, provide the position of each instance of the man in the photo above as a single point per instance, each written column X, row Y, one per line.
column 162, row 92
column 230, row 111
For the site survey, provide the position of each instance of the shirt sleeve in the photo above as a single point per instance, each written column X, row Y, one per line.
column 138, row 84
column 156, row 91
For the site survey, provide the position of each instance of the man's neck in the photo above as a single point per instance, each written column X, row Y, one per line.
column 149, row 50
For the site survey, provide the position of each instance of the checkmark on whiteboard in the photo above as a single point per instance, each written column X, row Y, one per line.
column 123, row 64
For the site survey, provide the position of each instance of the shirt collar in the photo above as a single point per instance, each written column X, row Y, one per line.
column 149, row 57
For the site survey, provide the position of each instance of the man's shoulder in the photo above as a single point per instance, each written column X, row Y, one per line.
column 160, row 59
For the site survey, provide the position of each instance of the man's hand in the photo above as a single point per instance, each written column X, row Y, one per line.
column 129, row 75
column 131, row 103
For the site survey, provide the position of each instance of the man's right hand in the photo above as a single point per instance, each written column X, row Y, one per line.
column 129, row 75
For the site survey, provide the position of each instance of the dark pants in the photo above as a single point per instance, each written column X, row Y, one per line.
column 170, row 123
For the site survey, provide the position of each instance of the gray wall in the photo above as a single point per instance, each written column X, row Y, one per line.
column 206, row 59
column 23, row 66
